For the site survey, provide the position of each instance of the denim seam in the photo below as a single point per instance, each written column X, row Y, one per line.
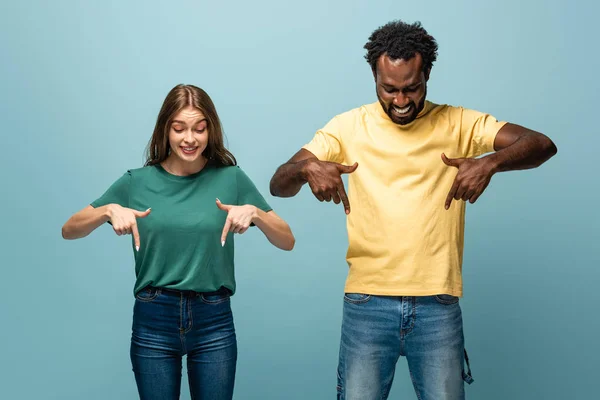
column 181, row 331
column 414, row 314
column 386, row 391
column 405, row 332
column 191, row 322
column 180, row 311
column 340, row 380
column 412, row 378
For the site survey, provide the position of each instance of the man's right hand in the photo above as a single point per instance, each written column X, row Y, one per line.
column 325, row 180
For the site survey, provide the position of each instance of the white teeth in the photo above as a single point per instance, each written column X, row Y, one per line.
column 189, row 148
column 402, row 110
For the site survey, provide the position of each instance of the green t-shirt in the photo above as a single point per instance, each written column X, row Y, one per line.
column 180, row 240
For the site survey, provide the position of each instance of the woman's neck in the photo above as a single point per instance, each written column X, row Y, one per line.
column 175, row 166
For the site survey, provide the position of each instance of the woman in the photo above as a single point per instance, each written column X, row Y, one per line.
column 182, row 209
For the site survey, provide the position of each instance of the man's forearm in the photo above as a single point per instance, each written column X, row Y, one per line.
column 529, row 151
column 288, row 179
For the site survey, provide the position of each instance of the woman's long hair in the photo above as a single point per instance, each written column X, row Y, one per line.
column 180, row 97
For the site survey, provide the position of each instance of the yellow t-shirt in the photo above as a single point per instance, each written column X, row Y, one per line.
column 402, row 241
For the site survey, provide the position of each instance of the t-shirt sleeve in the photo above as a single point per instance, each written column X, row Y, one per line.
column 326, row 145
column 117, row 193
column 478, row 132
column 247, row 193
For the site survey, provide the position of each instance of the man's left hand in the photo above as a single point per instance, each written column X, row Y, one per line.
column 474, row 175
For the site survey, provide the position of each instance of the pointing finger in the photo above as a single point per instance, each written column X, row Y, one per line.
column 141, row 214
column 136, row 236
column 222, row 206
column 451, row 162
column 451, row 194
column 225, row 231
column 344, row 198
column 348, row 169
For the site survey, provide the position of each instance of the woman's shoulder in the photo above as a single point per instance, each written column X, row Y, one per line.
column 230, row 174
column 225, row 170
column 142, row 171
column 147, row 172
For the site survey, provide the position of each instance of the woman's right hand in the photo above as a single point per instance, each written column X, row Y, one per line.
column 124, row 221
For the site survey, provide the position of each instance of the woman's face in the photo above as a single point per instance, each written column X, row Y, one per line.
column 188, row 135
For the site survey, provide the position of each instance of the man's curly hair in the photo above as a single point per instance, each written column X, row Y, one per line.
column 401, row 41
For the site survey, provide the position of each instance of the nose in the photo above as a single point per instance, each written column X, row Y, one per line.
column 189, row 136
column 401, row 100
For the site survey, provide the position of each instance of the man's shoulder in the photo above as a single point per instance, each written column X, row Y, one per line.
column 437, row 108
column 359, row 112
column 442, row 110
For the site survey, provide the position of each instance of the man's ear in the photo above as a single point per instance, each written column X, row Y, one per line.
column 427, row 71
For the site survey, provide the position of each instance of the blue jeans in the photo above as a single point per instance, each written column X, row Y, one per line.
column 168, row 324
column 376, row 330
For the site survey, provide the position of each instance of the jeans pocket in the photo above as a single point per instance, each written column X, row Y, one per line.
column 356, row 298
column 147, row 294
column 220, row 296
column 446, row 299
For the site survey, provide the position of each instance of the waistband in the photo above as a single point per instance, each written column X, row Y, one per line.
column 190, row 293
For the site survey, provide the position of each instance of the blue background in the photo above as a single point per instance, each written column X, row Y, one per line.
column 80, row 88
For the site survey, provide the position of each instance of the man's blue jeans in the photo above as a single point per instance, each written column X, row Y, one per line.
column 427, row 330
column 170, row 324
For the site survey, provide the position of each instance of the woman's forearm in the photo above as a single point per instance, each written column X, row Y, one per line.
column 85, row 221
column 275, row 229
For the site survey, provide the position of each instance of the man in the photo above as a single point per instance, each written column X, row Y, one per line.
column 412, row 168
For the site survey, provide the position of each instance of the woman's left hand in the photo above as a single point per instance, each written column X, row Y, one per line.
column 238, row 220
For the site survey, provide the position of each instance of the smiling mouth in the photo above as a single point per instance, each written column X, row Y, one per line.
column 401, row 112
column 188, row 150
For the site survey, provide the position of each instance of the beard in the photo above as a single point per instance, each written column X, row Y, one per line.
column 415, row 110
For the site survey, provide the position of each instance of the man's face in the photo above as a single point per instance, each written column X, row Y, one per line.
column 401, row 87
